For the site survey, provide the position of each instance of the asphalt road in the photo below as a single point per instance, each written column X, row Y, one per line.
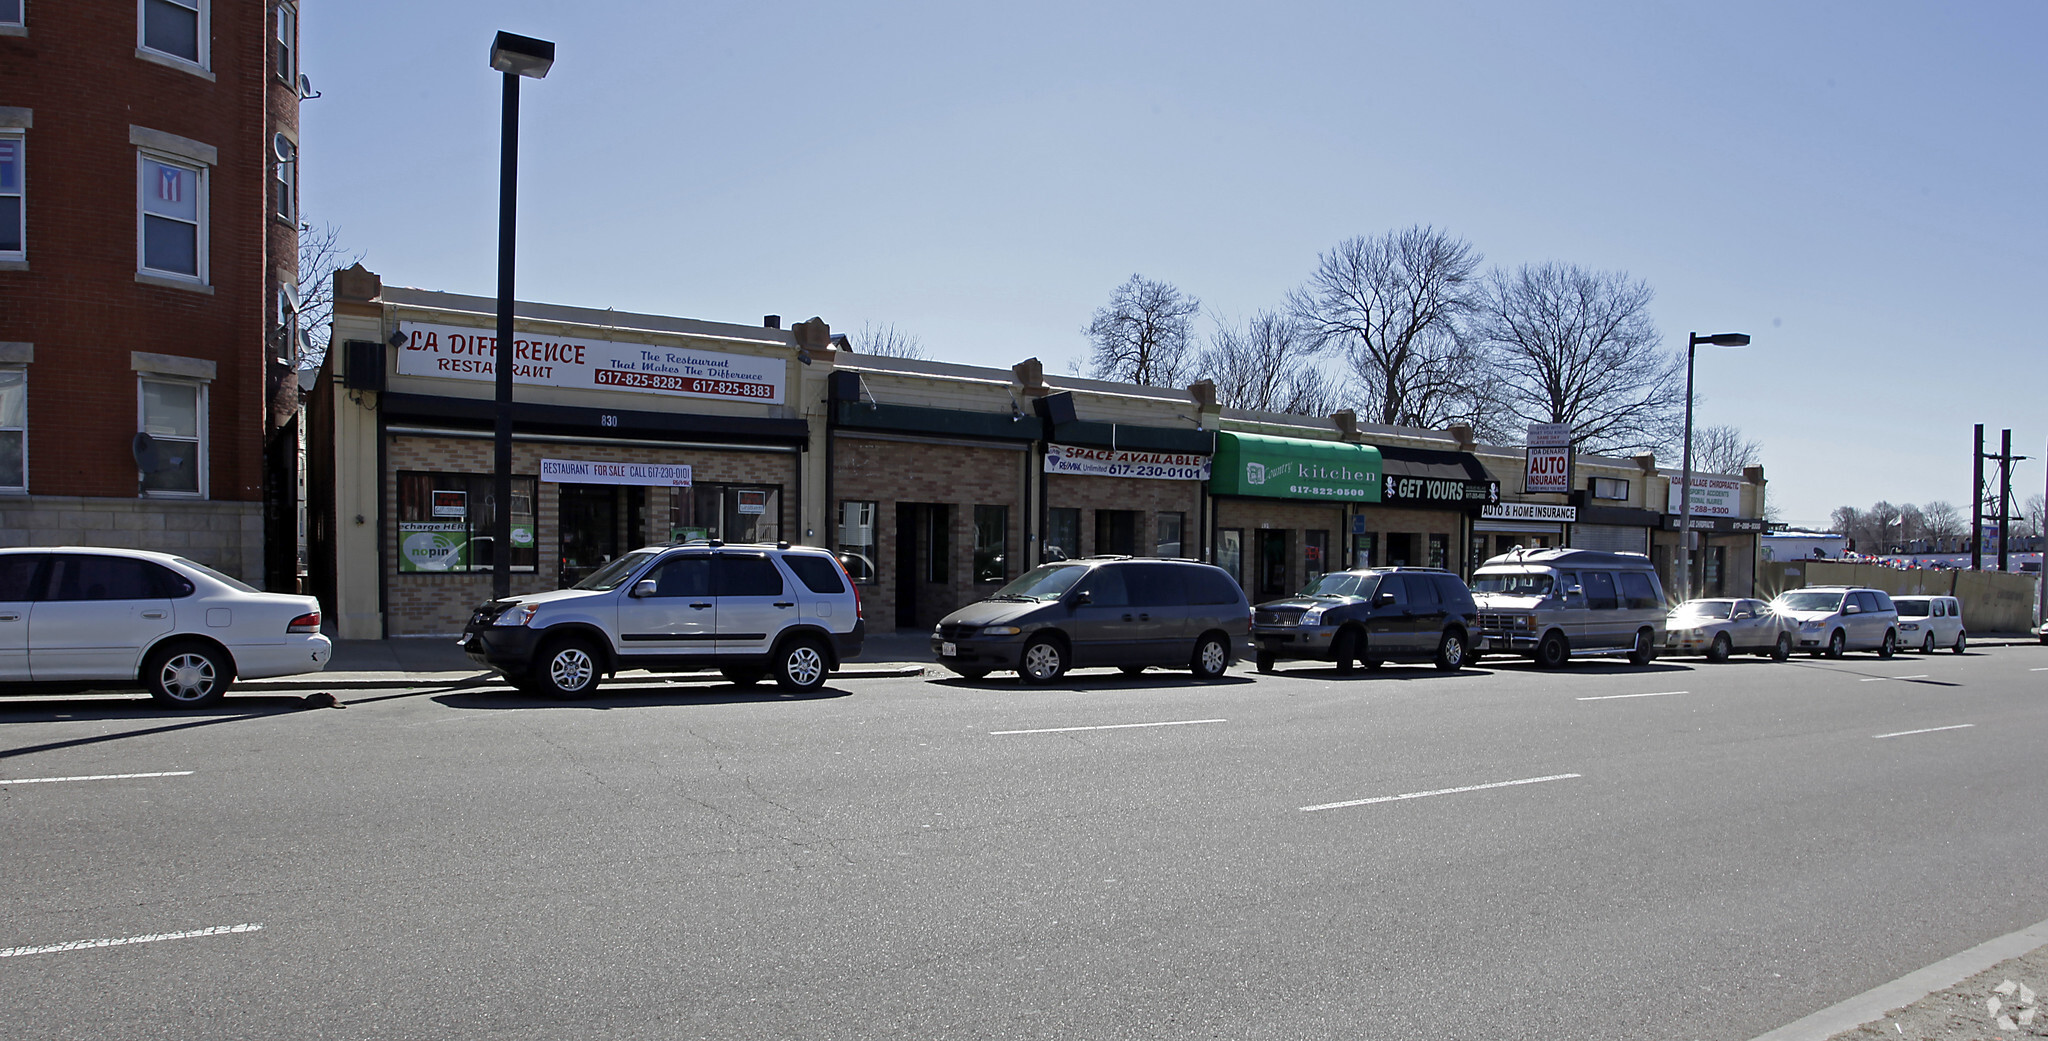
column 1691, row 851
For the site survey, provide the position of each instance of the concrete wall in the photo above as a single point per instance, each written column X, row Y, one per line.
column 1993, row 602
column 225, row 536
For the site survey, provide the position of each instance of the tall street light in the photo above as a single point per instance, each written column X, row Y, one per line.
column 1693, row 340
column 515, row 56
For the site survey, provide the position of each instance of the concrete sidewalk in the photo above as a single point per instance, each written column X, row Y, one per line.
column 437, row 661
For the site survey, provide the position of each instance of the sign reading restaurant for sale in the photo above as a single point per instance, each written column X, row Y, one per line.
column 541, row 359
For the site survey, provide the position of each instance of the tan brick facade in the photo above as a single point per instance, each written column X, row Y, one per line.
column 1290, row 518
column 908, row 478
column 1149, row 498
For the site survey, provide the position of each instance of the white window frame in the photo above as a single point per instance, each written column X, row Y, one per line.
column 204, row 183
column 142, row 420
column 18, row 25
column 204, row 11
column 1611, row 484
column 284, row 184
column 287, row 44
column 22, row 488
column 20, row 140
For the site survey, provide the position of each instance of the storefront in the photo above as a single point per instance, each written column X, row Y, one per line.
column 1530, row 525
column 1427, row 497
column 1614, row 529
column 1281, row 506
column 1114, row 487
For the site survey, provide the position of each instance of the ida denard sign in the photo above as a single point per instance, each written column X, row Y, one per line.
column 539, row 359
column 1550, row 459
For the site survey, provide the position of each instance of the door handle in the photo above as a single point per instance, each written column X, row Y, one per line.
column 699, row 607
column 1144, row 617
column 1127, row 617
column 152, row 614
column 786, row 604
column 10, row 618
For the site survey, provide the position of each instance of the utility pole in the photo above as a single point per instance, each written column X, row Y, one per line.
column 1977, row 504
column 2005, row 459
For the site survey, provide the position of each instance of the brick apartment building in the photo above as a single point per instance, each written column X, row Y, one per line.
column 148, row 267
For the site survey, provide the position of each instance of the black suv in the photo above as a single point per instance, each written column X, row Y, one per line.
column 1371, row 615
column 1126, row 612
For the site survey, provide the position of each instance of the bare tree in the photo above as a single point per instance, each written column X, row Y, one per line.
column 1142, row 335
column 886, row 341
column 1394, row 304
column 1723, row 450
column 1881, row 529
column 1912, row 523
column 321, row 254
column 1268, row 365
column 2031, row 520
column 1943, row 521
column 1573, row 346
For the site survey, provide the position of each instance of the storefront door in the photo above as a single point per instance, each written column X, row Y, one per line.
column 1273, row 564
column 589, row 524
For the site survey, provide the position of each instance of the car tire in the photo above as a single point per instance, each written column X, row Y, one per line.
column 568, row 669
column 1962, row 641
column 801, row 665
column 1044, row 661
column 1552, row 652
column 1783, row 649
column 1837, row 643
column 1721, row 648
column 1450, row 652
column 1645, row 650
column 1265, row 661
column 1344, row 649
column 1927, row 644
column 1890, row 645
column 743, row 675
column 188, row 675
column 1212, row 658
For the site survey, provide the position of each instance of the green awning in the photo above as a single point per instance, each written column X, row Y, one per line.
column 1293, row 468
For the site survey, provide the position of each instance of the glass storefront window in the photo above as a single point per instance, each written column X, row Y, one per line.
column 1170, row 527
column 1230, row 553
column 1062, row 533
column 1315, row 553
column 445, row 519
column 857, row 538
column 991, row 543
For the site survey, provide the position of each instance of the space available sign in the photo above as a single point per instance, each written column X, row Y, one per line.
column 649, row 475
column 1549, row 462
column 1711, row 497
column 459, row 352
column 1110, row 462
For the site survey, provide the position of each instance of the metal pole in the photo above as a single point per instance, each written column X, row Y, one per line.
column 2004, row 499
column 501, row 462
column 1685, row 489
column 2041, row 609
column 1977, row 505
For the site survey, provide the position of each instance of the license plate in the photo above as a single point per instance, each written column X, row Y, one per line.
column 949, row 650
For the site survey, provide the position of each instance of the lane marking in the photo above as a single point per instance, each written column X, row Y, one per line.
column 1656, row 694
column 2038, row 670
column 1111, row 726
column 94, row 777
column 1929, row 730
column 86, row 945
column 1439, row 791
column 1881, row 679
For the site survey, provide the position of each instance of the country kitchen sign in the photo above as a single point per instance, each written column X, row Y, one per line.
column 1110, row 462
column 547, row 360
column 1295, row 468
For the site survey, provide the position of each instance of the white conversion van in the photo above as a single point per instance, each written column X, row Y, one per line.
column 1553, row 604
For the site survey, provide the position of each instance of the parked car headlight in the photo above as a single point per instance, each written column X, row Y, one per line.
column 1909, row 626
column 1699, row 632
column 1810, row 627
column 1312, row 616
column 1000, row 630
column 518, row 614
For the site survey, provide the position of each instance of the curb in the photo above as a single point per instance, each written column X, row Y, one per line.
column 311, row 681
column 1872, row 1005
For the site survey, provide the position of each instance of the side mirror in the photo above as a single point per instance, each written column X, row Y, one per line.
column 1852, row 609
column 1574, row 590
column 1383, row 600
column 1739, row 616
column 1083, row 597
column 642, row 589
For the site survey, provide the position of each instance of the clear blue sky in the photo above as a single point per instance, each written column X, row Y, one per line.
column 1857, row 185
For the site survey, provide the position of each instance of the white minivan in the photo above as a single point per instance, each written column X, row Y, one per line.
column 1931, row 622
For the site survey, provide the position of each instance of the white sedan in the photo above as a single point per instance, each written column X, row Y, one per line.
column 86, row 617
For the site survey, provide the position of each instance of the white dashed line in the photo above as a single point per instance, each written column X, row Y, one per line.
column 2038, row 670
column 1654, row 694
column 1439, row 791
column 94, row 777
column 86, row 945
column 1929, row 730
column 1112, row 726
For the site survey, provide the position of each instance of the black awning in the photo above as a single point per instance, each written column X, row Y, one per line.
column 1431, row 477
column 1432, row 464
column 533, row 417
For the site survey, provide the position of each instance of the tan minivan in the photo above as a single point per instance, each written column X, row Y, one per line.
column 1552, row 605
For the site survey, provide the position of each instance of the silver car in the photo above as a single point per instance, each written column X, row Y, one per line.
column 1834, row 619
column 1720, row 626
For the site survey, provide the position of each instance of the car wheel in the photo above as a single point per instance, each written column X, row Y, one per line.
column 568, row 669
column 1552, row 652
column 1837, row 644
column 1927, row 644
column 1962, row 641
column 1450, row 652
column 1345, row 649
column 1783, row 649
column 188, row 675
column 1645, row 650
column 1044, row 661
column 1721, row 648
column 800, row 665
column 1265, row 661
column 1890, row 644
column 1131, row 670
column 1212, row 657
column 743, row 675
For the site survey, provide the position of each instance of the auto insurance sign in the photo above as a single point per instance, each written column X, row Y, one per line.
column 547, row 360
column 1549, row 466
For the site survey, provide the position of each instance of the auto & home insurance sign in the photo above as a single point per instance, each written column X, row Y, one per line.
column 542, row 359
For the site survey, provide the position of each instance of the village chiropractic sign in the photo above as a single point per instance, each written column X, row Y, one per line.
column 1110, row 462
column 545, row 360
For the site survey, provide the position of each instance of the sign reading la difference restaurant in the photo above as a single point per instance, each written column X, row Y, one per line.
column 539, row 359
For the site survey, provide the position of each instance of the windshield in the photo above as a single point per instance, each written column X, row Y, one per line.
column 1513, row 583
column 610, row 575
column 1809, row 600
column 229, row 580
column 1913, row 607
column 1705, row 608
column 1044, row 582
column 1340, row 584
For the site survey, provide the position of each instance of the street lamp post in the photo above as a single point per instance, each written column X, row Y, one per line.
column 515, row 56
column 1693, row 340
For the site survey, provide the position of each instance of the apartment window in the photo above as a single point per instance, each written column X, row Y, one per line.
column 287, row 331
column 173, row 232
column 287, row 42
column 1169, row 542
column 285, row 184
column 10, row 13
column 176, row 28
column 13, row 200
column 991, row 543
column 1062, row 533
column 445, row 519
column 857, row 538
column 13, row 430
column 173, row 414
column 1610, row 488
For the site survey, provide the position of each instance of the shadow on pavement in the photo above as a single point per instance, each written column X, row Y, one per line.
column 619, row 695
column 231, row 710
column 1087, row 681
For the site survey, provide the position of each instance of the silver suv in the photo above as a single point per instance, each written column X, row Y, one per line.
column 748, row 611
column 1834, row 619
